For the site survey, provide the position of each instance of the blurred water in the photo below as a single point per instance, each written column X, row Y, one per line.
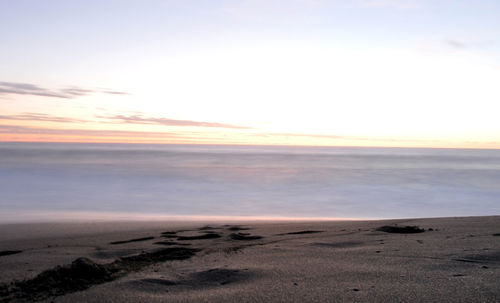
column 247, row 180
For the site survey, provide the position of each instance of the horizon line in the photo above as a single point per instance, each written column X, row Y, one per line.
column 255, row 145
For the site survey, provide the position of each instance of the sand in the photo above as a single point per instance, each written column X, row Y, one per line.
column 410, row 260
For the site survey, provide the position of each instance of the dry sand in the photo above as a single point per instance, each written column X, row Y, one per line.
column 452, row 260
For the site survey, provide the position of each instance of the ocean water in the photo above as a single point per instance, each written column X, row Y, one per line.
column 59, row 180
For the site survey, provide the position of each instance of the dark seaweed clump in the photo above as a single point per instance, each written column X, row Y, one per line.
column 200, row 237
column 170, row 243
column 401, row 229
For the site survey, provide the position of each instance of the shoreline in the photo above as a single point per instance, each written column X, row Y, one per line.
column 453, row 259
column 13, row 217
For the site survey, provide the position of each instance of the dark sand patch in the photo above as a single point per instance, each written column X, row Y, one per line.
column 485, row 257
column 114, row 254
column 233, row 249
column 80, row 275
column 174, row 232
column 84, row 273
column 496, row 235
column 237, row 228
column 163, row 282
column 466, row 260
column 339, row 244
column 207, row 228
column 216, row 277
column 302, row 232
column 243, row 236
column 169, row 236
column 151, row 284
column 220, row 276
column 169, row 233
column 132, row 240
column 401, row 229
column 170, row 243
column 9, row 252
column 200, row 237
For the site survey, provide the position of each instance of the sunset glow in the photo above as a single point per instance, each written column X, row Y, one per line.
column 328, row 73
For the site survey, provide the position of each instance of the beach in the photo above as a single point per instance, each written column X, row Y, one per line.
column 455, row 259
column 250, row 151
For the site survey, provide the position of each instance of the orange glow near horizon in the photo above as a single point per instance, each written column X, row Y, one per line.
column 62, row 216
column 299, row 96
column 218, row 138
column 409, row 73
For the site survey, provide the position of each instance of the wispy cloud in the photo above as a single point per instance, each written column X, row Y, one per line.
column 40, row 117
column 336, row 137
column 132, row 119
column 397, row 4
column 456, row 44
column 139, row 119
column 301, row 135
column 24, row 133
column 16, row 88
column 14, row 129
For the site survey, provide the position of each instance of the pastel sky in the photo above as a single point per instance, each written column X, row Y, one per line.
column 359, row 72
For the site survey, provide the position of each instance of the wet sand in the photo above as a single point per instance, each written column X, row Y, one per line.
column 409, row 260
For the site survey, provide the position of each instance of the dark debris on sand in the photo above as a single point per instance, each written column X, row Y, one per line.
column 170, row 243
column 401, row 229
column 237, row 228
column 302, row 232
column 9, row 252
column 132, row 240
column 200, row 237
column 169, row 233
column 84, row 273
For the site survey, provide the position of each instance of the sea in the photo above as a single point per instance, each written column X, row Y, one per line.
column 79, row 181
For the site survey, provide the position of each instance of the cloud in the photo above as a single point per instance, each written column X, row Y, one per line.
column 14, row 129
column 112, row 92
column 24, row 133
column 301, row 135
column 16, row 88
column 27, row 89
column 39, row 117
column 456, row 44
column 133, row 119
column 139, row 119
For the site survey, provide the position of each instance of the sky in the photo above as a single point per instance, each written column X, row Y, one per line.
column 411, row 73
